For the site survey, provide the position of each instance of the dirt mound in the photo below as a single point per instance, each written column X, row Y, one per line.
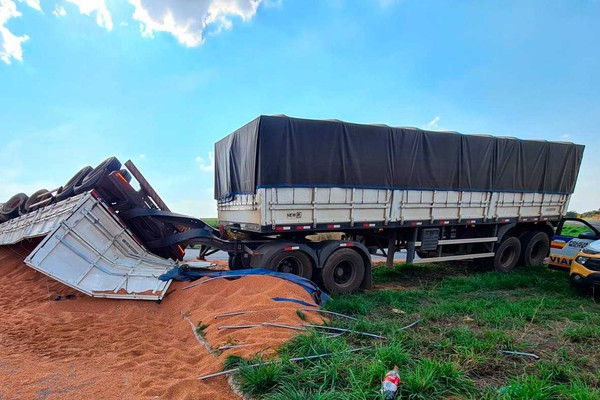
column 100, row 348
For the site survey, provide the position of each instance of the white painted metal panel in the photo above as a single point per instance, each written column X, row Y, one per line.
column 93, row 253
column 38, row 223
column 288, row 206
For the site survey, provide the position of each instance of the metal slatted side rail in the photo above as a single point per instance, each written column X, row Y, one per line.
column 92, row 252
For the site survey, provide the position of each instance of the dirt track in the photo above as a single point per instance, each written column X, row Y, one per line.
column 99, row 348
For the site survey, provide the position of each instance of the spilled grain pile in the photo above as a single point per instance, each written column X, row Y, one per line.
column 99, row 348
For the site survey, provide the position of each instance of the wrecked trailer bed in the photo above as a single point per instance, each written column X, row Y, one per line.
column 86, row 246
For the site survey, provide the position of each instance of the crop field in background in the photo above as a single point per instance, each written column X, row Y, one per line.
column 466, row 317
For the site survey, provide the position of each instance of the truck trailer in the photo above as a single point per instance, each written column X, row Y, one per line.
column 441, row 196
column 316, row 198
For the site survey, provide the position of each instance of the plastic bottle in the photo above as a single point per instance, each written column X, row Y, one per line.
column 390, row 384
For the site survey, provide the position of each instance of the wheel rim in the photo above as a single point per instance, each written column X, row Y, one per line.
column 290, row 265
column 342, row 273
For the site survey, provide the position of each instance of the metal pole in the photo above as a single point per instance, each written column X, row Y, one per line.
column 391, row 248
column 410, row 248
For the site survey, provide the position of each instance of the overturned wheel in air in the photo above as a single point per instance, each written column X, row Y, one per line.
column 33, row 202
column 95, row 176
column 343, row 271
column 68, row 189
column 13, row 207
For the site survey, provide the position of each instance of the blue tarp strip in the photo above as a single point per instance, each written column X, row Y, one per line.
column 186, row 274
column 304, row 303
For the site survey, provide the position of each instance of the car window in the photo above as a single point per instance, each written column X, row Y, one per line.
column 574, row 228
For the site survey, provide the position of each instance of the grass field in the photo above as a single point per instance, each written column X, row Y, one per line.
column 467, row 316
column 573, row 230
column 214, row 222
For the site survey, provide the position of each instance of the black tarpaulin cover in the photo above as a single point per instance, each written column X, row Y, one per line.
column 279, row 151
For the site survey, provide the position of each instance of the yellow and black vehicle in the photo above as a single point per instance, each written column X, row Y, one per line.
column 576, row 248
column 585, row 269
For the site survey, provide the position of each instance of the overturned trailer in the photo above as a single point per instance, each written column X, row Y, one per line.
column 440, row 195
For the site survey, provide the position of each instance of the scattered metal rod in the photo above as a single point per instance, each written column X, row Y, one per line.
column 410, row 325
column 201, row 282
column 520, row 353
column 329, row 312
column 336, row 335
column 271, row 362
column 233, row 313
column 238, row 326
column 345, row 330
column 199, row 337
column 296, row 328
column 235, row 346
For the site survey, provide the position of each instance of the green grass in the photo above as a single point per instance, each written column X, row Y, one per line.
column 200, row 328
column 573, row 230
column 214, row 222
column 467, row 316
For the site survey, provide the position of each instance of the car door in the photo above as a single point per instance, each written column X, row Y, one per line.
column 572, row 235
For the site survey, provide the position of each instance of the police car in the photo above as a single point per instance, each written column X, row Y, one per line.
column 576, row 248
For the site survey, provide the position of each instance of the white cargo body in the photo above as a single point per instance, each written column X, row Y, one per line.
column 290, row 209
column 87, row 247
column 279, row 173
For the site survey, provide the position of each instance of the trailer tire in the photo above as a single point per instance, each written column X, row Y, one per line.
column 292, row 262
column 507, row 254
column 236, row 262
column 97, row 174
column 12, row 208
column 534, row 248
column 36, row 197
column 343, row 272
column 68, row 189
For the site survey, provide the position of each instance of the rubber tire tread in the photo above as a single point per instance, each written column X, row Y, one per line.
column 235, row 263
column 97, row 174
column 40, row 195
column 68, row 189
column 305, row 262
column 343, row 254
column 509, row 241
column 528, row 241
column 8, row 212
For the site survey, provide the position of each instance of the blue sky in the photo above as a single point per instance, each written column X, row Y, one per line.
column 96, row 78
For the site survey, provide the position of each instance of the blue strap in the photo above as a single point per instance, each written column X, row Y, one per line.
column 185, row 273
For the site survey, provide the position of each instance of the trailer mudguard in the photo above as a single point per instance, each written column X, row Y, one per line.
column 265, row 253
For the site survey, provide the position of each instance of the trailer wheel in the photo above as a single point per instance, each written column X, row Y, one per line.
column 97, row 174
column 534, row 248
column 12, row 208
column 36, row 197
column 68, row 189
column 343, row 271
column 236, row 262
column 292, row 262
column 507, row 254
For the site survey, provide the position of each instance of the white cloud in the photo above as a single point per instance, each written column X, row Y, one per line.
column 205, row 165
column 188, row 20
column 142, row 155
column 433, row 124
column 35, row 4
column 10, row 44
column 87, row 7
column 59, row 11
